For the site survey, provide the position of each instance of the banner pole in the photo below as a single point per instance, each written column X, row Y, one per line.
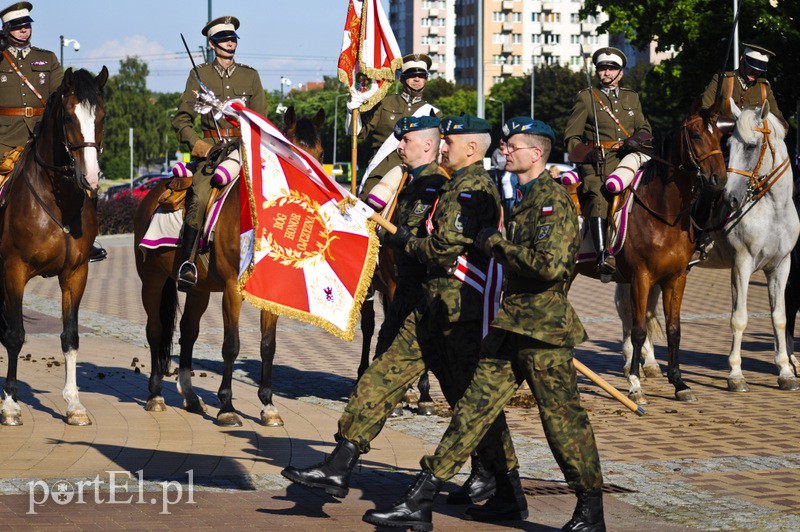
column 354, row 152
column 598, row 380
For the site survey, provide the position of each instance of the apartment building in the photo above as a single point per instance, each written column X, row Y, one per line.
column 518, row 34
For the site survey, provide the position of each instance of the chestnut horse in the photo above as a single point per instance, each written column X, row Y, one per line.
column 660, row 241
column 157, row 271
column 49, row 224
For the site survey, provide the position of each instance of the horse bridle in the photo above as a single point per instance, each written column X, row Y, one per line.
column 693, row 157
column 67, row 169
column 758, row 186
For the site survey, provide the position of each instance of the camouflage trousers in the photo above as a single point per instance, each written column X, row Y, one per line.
column 451, row 351
column 506, row 359
column 406, row 297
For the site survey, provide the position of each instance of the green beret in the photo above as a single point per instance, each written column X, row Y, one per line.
column 524, row 124
column 456, row 125
column 414, row 123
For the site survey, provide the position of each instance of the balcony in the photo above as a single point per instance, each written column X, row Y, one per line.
column 433, row 30
column 433, row 49
column 508, row 5
column 433, row 12
column 508, row 27
column 507, row 48
column 507, row 69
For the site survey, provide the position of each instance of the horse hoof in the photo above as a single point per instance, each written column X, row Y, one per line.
column 652, row 372
column 426, row 409
column 271, row 420
column 78, row 419
column 195, row 407
column 639, row 398
column 788, row 383
column 10, row 420
column 412, row 396
column 156, row 405
column 685, row 396
column 397, row 412
column 228, row 419
column 738, row 385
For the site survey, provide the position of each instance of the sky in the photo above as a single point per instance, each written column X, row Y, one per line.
column 299, row 40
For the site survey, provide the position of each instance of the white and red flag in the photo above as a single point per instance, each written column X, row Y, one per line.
column 370, row 55
column 302, row 256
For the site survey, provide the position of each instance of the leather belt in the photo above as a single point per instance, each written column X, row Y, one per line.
column 27, row 112
column 224, row 132
column 530, row 286
column 607, row 144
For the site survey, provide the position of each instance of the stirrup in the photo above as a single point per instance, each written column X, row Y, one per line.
column 187, row 276
column 700, row 255
column 97, row 253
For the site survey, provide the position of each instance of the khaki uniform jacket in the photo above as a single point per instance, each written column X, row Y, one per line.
column 743, row 94
column 414, row 203
column 241, row 81
column 625, row 106
column 379, row 125
column 467, row 203
column 43, row 71
column 539, row 260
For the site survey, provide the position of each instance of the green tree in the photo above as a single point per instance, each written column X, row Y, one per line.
column 129, row 104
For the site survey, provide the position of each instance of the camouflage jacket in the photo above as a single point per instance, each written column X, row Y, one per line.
column 539, row 260
column 414, row 203
column 467, row 203
column 626, row 107
column 239, row 81
column 743, row 93
column 42, row 70
column 379, row 125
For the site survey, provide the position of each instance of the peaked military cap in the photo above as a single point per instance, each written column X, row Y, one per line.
column 414, row 123
column 221, row 27
column 17, row 14
column 456, row 125
column 416, row 64
column 524, row 124
column 609, row 56
column 756, row 57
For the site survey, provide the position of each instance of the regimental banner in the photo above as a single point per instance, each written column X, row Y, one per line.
column 303, row 254
column 370, row 54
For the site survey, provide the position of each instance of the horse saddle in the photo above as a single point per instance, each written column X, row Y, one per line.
column 174, row 197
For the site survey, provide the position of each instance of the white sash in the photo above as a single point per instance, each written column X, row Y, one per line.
column 390, row 144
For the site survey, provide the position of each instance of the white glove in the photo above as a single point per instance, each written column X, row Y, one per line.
column 356, row 99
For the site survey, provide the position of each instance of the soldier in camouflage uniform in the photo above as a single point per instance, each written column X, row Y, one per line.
column 378, row 122
column 227, row 79
column 444, row 331
column 28, row 76
column 620, row 122
column 532, row 339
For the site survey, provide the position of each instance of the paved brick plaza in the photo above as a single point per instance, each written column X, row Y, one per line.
column 729, row 461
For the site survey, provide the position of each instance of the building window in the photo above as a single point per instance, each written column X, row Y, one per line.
column 536, row 38
column 575, row 60
column 536, row 17
column 516, row 17
column 497, row 16
column 516, row 38
column 552, row 38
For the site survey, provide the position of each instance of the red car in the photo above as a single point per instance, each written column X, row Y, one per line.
column 140, row 191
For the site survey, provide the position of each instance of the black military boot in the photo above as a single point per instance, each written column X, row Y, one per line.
column 701, row 212
column 414, row 509
column 332, row 474
column 97, row 253
column 479, row 486
column 187, row 272
column 606, row 264
column 507, row 504
column 588, row 514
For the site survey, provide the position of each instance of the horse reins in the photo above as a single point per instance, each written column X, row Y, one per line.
column 693, row 157
column 759, row 186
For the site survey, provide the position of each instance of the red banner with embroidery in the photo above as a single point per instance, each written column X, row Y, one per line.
column 370, row 54
column 303, row 254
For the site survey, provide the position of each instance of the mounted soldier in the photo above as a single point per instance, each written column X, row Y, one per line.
column 604, row 126
column 28, row 75
column 227, row 79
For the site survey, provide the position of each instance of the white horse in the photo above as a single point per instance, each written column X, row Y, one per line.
column 758, row 232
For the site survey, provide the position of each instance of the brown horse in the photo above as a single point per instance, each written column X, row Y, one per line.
column 49, row 224
column 157, row 271
column 660, row 239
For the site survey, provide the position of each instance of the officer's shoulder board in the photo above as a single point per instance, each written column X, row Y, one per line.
column 763, row 80
column 37, row 49
column 203, row 65
column 627, row 89
column 729, row 74
column 248, row 67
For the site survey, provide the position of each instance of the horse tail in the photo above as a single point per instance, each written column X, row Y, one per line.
column 168, row 316
column 3, row 322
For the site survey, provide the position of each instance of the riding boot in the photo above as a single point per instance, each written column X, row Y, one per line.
column 479, row 486
column 332, row 474
column 507, row 504
column 606, row 264
column 701, row 212
column 187, row 273
column 588, row 514
column 414, row 509
column 97, row 252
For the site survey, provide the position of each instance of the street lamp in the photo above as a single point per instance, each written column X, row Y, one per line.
column 533, row 80
column 502, row 109
column 287, row 82
column 336, row 124
column 66, row 42
column 167, row 113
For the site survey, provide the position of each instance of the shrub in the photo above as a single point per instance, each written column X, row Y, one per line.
column 116, row 216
